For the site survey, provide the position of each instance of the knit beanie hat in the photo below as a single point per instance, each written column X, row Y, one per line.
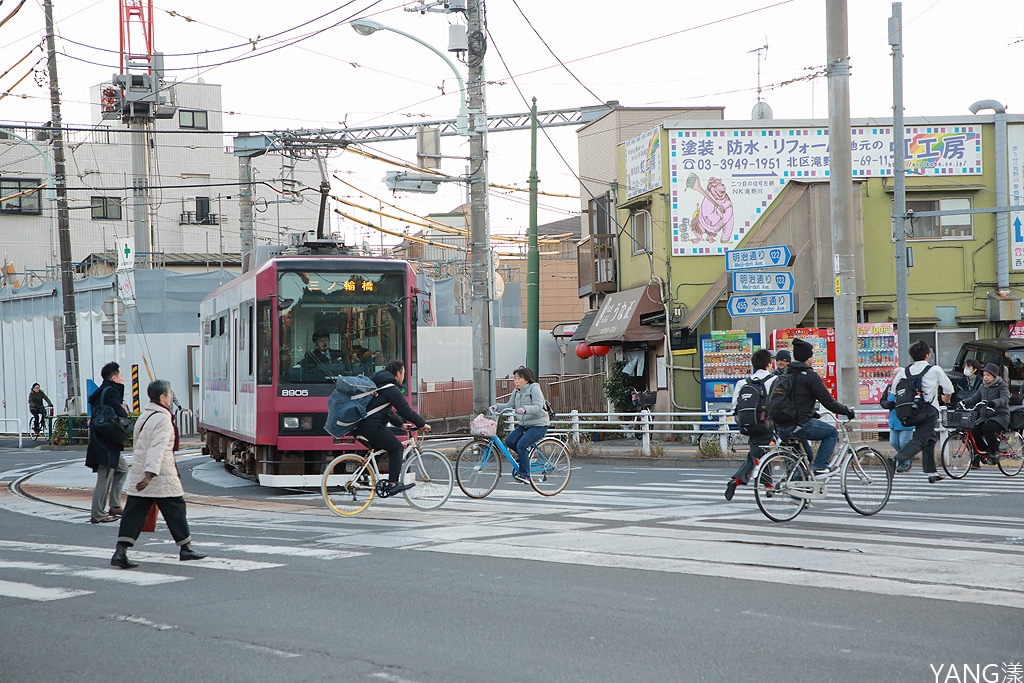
column 802, row 350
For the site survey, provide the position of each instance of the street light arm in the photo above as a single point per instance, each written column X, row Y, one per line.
column 366, row 27
column 994, row 105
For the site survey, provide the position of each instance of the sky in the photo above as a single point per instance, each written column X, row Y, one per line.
column 660, row 53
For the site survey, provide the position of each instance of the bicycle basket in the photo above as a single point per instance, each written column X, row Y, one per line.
column 958, row 419
column 482, row 426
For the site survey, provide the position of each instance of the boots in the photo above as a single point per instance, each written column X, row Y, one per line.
column 120, row 558
column 188, row 554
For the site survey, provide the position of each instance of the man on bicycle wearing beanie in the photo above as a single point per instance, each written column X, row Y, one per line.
column 808, row 388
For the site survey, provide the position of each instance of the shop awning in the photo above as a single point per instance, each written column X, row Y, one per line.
column 581, row 330
column 619, row 318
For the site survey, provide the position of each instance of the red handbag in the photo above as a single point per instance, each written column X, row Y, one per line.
column 150, row 523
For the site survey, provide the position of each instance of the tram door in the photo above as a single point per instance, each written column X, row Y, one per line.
column 235, row 342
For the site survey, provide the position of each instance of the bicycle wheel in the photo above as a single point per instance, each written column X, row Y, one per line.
column 477, row 468
column 867, row 481
column 550, row 466
column 739, row 442
column 710, row 441
column 432, row 474
column 956, row 455
column 1011, row 458
column 348, row 485
column 780, row 472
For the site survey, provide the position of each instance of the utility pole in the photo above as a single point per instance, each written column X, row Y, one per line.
column 67, row 283
column 140, row 193
column 899, row 174
column 533, row 259
column 841, row 196
column 481, row 268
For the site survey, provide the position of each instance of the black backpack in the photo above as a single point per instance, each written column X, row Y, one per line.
column 781, row 407
column 752, row 408
column 911, row 408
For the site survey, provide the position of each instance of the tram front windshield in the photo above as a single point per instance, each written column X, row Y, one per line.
column 334, row 324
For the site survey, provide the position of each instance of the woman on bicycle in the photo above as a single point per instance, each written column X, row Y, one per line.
column 35, row 406
column 528, row 402
column 993, row 397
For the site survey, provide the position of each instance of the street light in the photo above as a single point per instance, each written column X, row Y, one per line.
column 366, row 27
column 1002, row 220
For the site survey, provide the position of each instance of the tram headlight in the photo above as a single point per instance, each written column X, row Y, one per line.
column 299, row 422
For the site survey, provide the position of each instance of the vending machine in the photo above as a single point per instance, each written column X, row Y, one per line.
column 724, row 359
column 877, row 358
column 824, row 342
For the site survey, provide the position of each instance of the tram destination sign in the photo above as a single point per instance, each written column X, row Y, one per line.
column 758, row 259
column 769, row 282
column 761, row 304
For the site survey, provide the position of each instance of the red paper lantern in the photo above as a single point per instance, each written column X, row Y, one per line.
column 600, row 350
column 583, row 351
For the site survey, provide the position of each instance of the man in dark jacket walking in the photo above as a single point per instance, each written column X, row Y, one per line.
column 374, row 426
column 808, row 387
column 104, row 457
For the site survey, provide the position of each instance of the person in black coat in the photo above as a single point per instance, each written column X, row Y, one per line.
column 992, row 401
column 104, row 457
column 374, row 426
column 968, row 387
column 808, row 387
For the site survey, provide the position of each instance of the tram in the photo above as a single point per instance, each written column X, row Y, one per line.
column 265, row 380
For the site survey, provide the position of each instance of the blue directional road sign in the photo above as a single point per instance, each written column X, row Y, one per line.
column 758, row 259
column 769, row 282
column 761, row 304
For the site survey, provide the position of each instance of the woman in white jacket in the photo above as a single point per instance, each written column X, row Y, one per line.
column 153, row 479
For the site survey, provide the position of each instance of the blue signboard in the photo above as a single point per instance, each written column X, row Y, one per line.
column 758, row 259
column 768, row 282
column 761, row 304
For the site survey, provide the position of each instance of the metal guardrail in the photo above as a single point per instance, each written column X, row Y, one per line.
column 186, row 421
column 17, row 421
column 577, row 425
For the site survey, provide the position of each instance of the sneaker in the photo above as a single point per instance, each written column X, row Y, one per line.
column 396, row 487
column 730, row 489
column 826, row 473
column 520, row 478
column 903, row 467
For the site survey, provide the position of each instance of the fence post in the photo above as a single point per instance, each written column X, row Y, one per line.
column 723, row 439
column 645, row 426
column 574, row 429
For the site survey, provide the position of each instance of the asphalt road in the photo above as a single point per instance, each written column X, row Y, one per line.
column 630, row 574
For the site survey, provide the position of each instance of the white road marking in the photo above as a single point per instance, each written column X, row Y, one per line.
column 143, row 622
column 136, row 578
column 13, row 589
column 138, row 556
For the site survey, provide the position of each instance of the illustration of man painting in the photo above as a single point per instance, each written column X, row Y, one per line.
column 713, row 218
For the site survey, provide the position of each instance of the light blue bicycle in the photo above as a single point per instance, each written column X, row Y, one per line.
column 478, row 466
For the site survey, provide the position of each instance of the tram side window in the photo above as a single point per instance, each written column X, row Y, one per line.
column 264, row 343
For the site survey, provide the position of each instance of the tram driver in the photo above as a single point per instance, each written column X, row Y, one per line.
column 323, row 362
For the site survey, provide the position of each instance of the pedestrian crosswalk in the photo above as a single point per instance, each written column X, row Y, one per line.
column 643, row 519
column 89, row 564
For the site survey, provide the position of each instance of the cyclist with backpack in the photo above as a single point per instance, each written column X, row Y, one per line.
column 373, row 427
column 916, row 389
column 750, row 406
column 791, row 406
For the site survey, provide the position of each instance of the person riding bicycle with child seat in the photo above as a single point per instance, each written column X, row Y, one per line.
column 35, row 406
column 528, row 402
column 992, row 401
column 807, row 388
column 373, row 428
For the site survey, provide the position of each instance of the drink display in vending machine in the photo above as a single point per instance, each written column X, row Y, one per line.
column 877, row 357
column 724, row 359
column 824, row 342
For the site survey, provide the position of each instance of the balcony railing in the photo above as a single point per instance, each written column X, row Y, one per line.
column 597, row 263
column 194, row 218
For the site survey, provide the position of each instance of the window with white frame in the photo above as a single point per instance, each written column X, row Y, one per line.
column 945, row 344
column 640, row 221
column 939, row 227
